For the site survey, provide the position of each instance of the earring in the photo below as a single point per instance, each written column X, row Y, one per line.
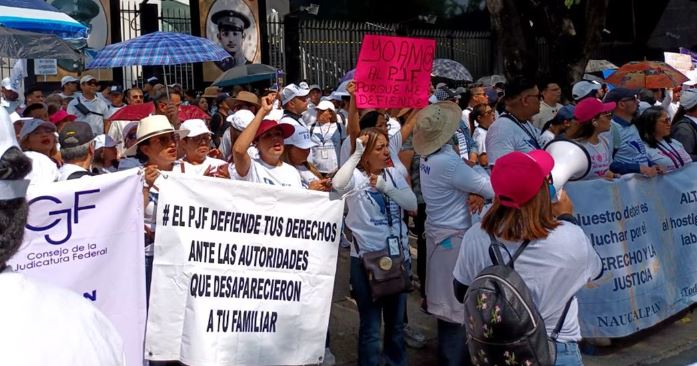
column 595, row 124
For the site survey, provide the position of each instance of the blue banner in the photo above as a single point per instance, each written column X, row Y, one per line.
column 645, row 231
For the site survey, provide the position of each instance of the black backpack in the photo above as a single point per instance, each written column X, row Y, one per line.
column 504, row 326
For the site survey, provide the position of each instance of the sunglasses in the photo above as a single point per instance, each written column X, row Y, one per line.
column 203, row 139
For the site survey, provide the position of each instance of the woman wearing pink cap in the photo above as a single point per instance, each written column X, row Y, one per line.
column 556, row 260
column 268, row 136
column 594, row 118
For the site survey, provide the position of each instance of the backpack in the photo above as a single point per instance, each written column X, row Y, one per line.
column 504, row 326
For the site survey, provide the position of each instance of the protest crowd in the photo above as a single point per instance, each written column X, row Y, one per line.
column 462, row 175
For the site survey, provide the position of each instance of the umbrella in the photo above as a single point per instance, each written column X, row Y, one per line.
column 491, row 80
column 158, row 48
column 599, row 65
column 245, row 74
column 133, row 112
column 450, row 69
column 192, row 112
column 22, row 44
column 348, row 76
column 41, row 17
column 647, row 74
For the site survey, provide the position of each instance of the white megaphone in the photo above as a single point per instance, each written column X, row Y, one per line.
column 571, row 162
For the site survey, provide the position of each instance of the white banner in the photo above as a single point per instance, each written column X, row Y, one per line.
column 243, row 273
column 87, row 235
column 645, row 231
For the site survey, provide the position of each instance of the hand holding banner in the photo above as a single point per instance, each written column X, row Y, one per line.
column 394, row 72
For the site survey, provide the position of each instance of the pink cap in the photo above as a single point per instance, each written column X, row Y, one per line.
column 267, row 124
column 588, row 108
column 60, row 116
column 517, row 177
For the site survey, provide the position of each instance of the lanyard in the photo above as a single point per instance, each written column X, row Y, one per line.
column 674, row 155
column 519, row 124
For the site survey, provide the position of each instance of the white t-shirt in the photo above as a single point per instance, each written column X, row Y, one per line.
column 281, row 175
column 671, row 155
column 328, row 138
column 466, row 116
column 201, row 169
column 367, row 216
column 505, row 136
column 47, row 325
column 116, row 133
column 395, row 145
column 479, row 136
column 95, row 105
column 554, row 269
column 601, row 157
column 43, row 169
column 67, row 169
column 75, row 94
column 293, row 121
column 306, row 175
column 446, row 182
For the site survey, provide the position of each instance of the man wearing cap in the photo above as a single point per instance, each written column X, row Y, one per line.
column 549, row 104
column 630, row 152
column 69, row 84
column 231, row 33
column 512, row 131
column 116, row 98
column 294, row 101
column 586, row 89
column 106, row 156
column 557, row 125
column 77, row 150
column 10, row 97
column 35, row 315
column 685, row 127
column 315, row 96
column 148, row 87
column 88, row 107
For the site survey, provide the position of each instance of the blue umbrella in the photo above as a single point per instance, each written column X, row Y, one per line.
column 158, row 48
column 449, row 69
column 41, row 17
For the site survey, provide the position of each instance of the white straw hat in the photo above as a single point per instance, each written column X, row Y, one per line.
column 435, row 125
column 152, row 126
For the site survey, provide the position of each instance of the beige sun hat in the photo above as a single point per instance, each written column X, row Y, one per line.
column 152, row 126
column 435, row 125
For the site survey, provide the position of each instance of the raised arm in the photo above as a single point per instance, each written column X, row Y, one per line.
column 354, row 127
column 239, row 151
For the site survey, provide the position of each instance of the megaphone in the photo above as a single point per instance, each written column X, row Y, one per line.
column 571, row 162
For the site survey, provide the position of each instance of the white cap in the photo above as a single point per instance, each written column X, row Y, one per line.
column 335, row 96
column 103, row 141
column 196, row 127
column 583, row 88
column 87, row 78
column 68, row 79
column 303, row 85
column 241, row 119
column 152, row 79
column 300, row 138
column 291, row 91
column 325, row 104
column 32, row 124
column 689, row 84
column 688, row 98
column 7, row 84
column 315, row 86
column 15, row 117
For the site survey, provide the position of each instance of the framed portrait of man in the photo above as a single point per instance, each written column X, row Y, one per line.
column 234, row 25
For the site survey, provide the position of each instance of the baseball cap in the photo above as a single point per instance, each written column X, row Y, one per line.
column 325, row 104
column 153, row 80
column 517, row 177
column 74, row 134
column 267, row 125
column 116, row 89
column 69, row 79
column 584, row 88
column 60, row 116
column 300, row 138
column 240, row 119
column 588, row 108
column 103, row 141
column 87, row 78
column 617, row 94
column 32, row 124
column 315, row 86
column 7, row 84
column 196, row 127
column 565, row 113
column 291, row 91
column 688, row 98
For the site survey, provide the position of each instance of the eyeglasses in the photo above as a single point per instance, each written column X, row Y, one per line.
column 606, row 114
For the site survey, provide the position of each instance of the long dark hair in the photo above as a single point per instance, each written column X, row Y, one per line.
column 13, row 213
column 646, row 124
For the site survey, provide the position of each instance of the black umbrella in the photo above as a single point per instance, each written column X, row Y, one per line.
column 22, row 44
column 245, row 74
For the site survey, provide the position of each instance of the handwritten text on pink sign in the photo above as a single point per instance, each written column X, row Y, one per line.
column 394, row 72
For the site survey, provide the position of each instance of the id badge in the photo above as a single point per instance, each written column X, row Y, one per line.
column 393, row 245
column 324, row 153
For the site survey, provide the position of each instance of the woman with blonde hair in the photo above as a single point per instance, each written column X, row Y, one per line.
column 552, row 254
column 376, row 196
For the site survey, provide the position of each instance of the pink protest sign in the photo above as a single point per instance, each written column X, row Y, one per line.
column 394, row 72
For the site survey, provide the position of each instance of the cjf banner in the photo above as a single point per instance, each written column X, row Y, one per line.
column 87, row 235
column 645, row 231
column 243, row 273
